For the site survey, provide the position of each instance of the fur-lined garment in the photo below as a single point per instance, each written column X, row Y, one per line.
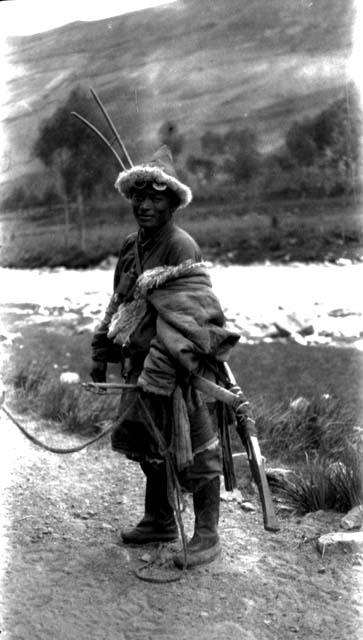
column 189, row 326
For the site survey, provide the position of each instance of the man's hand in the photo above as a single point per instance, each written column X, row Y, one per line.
column 98, row 371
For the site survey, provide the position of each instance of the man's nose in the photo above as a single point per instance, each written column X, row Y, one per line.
column 146, row 203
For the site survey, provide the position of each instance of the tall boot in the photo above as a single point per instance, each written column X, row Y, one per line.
column 204, row 546
column 158, row 523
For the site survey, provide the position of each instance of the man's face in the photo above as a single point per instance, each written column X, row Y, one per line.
column 151, row 208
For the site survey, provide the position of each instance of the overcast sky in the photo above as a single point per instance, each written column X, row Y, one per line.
column 25, row 17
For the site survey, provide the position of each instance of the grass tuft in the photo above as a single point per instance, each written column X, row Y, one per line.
column 316, row 435
column 323, row 483
column 29, row 377
column 38, row 390
column 321, row 426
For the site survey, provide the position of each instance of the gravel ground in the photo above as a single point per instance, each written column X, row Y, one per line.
column 65, row 575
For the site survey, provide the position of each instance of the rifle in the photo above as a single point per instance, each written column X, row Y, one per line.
column 235, row 398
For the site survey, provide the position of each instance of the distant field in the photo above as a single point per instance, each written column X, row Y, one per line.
column 300, row 230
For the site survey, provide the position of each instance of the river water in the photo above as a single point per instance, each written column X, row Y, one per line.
column 321, row 301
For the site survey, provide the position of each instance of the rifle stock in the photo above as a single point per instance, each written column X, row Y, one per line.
column 247, row 432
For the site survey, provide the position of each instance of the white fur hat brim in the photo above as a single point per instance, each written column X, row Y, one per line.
column 127, row 179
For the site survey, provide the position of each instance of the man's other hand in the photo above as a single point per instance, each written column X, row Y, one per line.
column 98, row 371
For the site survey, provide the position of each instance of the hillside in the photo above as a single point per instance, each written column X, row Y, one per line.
column 202, row 64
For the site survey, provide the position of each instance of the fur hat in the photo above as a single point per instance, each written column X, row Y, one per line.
column 159, row 170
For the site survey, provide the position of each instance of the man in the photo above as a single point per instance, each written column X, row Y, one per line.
column 162, row 321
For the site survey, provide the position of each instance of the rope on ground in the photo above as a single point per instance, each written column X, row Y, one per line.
column 48, row 447
column 172, row 481
column 89, row 386
column 160, row 565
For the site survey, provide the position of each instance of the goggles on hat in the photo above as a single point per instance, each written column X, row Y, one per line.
column 141, row 184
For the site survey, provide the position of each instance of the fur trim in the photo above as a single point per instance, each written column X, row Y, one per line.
column 126, row 320
column 126, row 180
column 154, row 278
column 129, row 315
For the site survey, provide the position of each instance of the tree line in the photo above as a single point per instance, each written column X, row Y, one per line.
column 319, row 157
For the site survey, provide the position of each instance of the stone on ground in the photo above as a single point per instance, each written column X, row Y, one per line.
column 341, row 542
column 353, row 519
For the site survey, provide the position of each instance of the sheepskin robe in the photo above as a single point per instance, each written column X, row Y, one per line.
column 161, row 327
column 190, row 334
column 169, row 246
column 190, row 324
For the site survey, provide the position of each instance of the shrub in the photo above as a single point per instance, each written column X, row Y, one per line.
column 29, row 377
column 324, row 483
column 321, row 155
column 232, row 157
column 300, row 142
column 77, row 410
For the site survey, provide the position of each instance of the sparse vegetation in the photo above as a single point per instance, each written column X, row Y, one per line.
column 325, row 483
column 320, row 230
column 319, row 437
column 39, row 390
column 319, row 426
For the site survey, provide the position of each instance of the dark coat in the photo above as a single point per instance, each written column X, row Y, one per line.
column 177, row 322
column 169, row 246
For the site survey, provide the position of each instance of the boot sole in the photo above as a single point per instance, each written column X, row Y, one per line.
column 201, row 557
column 149, row 539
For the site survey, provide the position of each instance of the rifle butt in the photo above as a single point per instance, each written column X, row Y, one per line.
column 249, row 441
column 270, row 521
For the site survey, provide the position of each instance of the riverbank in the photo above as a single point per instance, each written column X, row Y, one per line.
column 301, row 330
column 316, row 304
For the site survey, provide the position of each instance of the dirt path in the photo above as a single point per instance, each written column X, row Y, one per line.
column 66, row 577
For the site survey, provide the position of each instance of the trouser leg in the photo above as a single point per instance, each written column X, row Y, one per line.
column 158, row 523
column 156, row 494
